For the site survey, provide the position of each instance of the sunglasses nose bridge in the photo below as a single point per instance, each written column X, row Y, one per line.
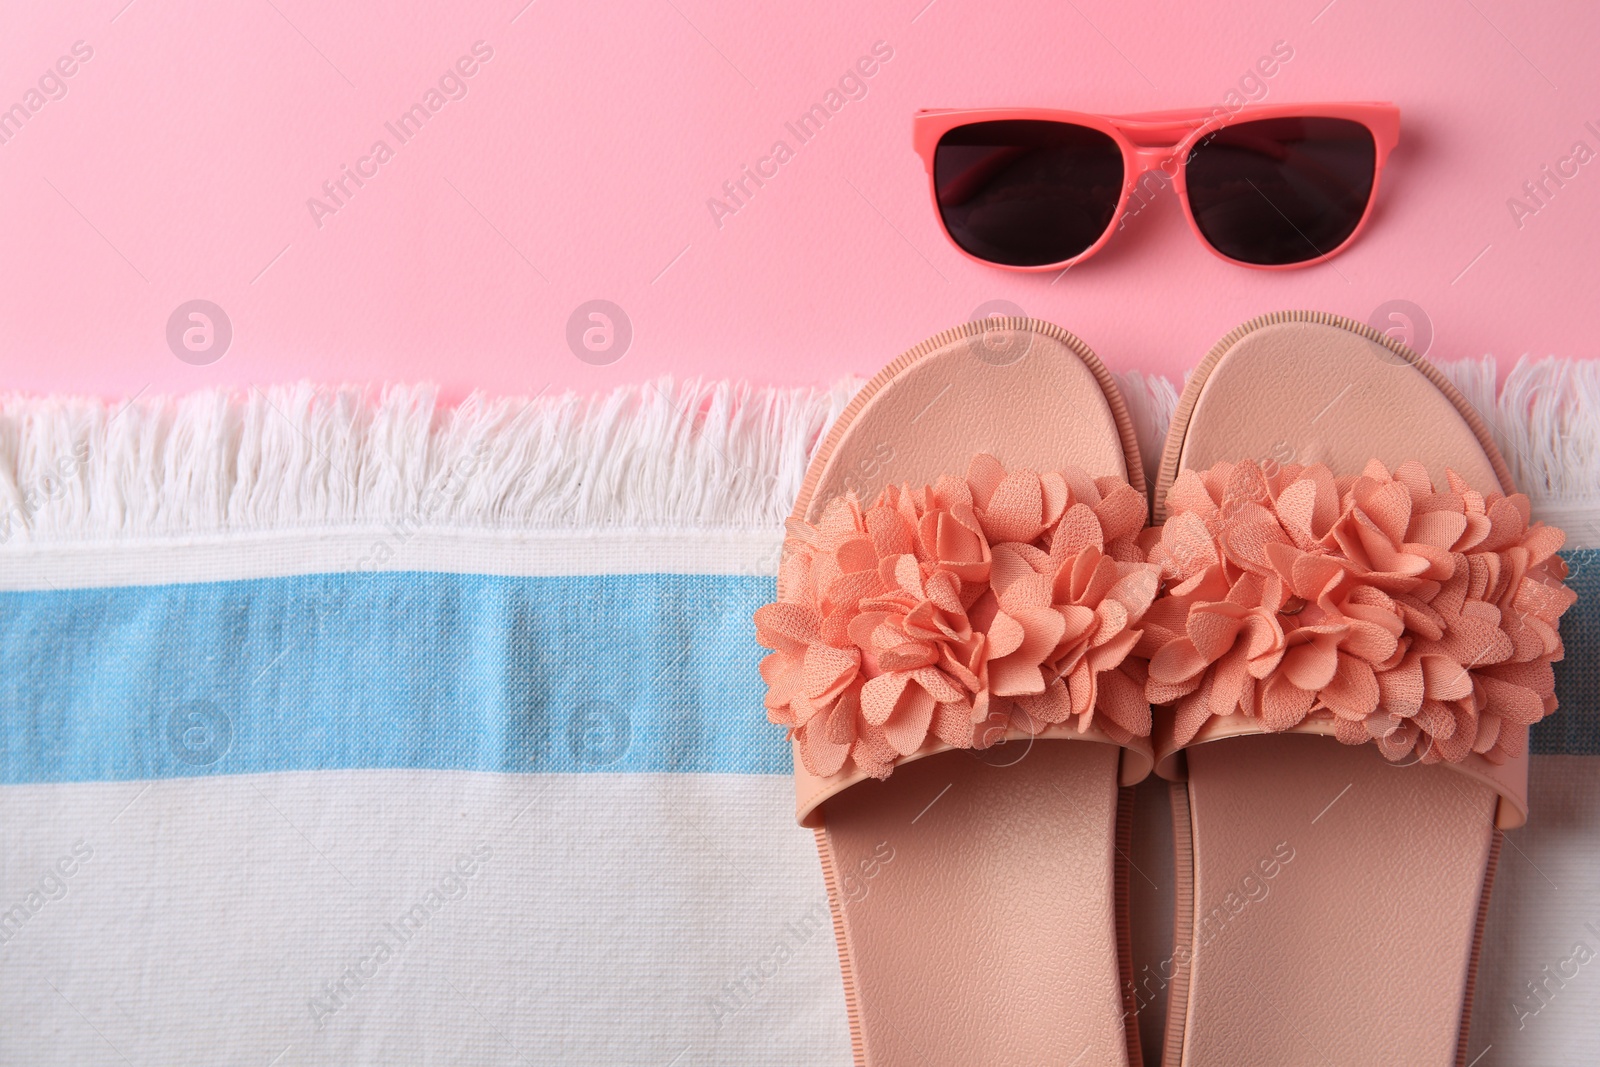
column 1156, row 157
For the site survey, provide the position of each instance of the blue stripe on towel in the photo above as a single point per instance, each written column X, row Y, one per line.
column 1575, row 727
column 610, row 673
column 444, row 671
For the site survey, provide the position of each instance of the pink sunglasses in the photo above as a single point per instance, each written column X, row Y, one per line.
column 1270, row 186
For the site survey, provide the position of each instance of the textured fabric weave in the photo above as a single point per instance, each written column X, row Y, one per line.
column 358, row 817
column 460, row 672
column 1574, row 729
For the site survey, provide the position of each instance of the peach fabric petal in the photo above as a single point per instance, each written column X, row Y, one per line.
column 1422, row 619
column 1177, row 661
column 1283, row 704
column 948, row 613
column 825, row 740
column 1122, row 700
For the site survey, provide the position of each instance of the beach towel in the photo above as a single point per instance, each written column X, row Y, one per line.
column 339, row 725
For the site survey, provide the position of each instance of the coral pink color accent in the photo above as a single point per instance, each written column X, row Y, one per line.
column 959, row 610
column 1162, row 140
column 1423, row 620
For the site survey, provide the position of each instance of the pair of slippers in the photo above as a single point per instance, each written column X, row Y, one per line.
column 1331, row 635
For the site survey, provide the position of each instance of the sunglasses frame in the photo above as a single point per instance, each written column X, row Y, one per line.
column 1161, row 140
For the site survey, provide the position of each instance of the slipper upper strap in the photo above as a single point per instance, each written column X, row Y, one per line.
column 991, row 606
column 1374, row 608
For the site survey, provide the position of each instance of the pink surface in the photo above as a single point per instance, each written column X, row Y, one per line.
column 579, row 163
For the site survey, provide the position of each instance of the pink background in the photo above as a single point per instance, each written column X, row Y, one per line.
column 579, row 164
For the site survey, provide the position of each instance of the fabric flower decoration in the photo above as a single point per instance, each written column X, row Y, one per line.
column 1004, row 599
column 1424, row 620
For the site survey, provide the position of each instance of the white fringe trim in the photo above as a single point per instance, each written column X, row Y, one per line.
column 1151, row 400
column 1546, row 420
column 654, row 455
column 659, row 455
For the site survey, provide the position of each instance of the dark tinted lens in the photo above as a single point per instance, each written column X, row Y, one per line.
column 1281, row 190
column 1027, row 193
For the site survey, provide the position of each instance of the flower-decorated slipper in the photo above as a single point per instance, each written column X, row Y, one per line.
column 1355, row 633
column 959, row 597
